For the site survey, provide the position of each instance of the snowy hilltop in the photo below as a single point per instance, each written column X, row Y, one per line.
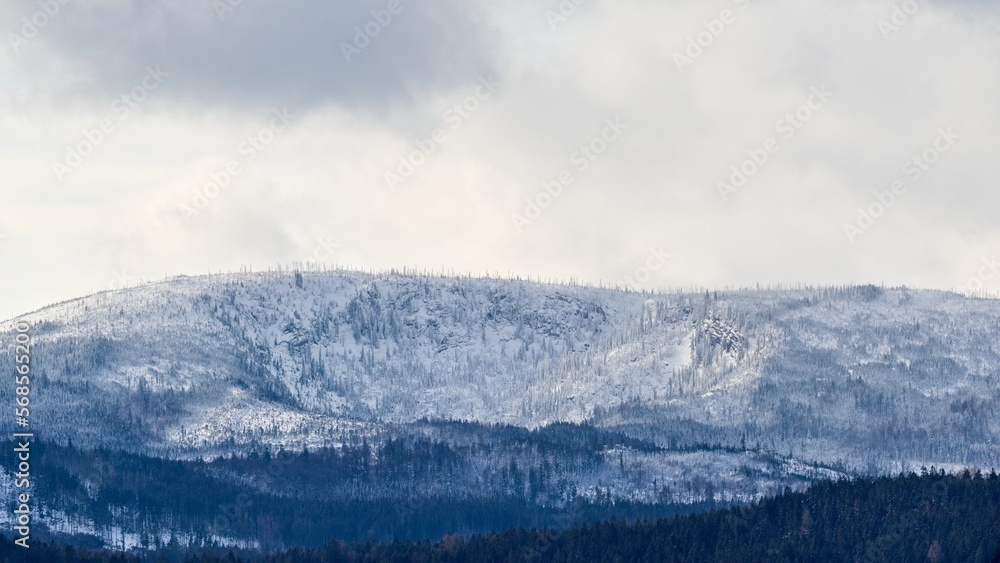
column 865, row 377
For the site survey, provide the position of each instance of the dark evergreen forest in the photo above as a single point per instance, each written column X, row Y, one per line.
column 915, row 517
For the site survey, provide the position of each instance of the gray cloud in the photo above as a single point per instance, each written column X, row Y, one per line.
column 259, row 53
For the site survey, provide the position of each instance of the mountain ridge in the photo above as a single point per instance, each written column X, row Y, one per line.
column 328, row 389
column 289, row 356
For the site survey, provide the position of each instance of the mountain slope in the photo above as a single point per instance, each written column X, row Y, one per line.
column 868, row 377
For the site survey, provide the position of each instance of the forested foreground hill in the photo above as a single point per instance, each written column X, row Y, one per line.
column 930, row 517
column 408, row 490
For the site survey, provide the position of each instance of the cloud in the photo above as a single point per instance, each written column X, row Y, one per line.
column 655, row 187
column 224, row 53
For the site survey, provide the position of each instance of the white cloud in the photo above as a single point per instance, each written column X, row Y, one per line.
column 324, row 177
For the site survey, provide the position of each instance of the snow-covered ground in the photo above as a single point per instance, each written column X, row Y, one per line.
column 868, row 377
column 745, row 391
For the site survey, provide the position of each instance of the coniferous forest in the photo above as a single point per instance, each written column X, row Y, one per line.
column 927, row 517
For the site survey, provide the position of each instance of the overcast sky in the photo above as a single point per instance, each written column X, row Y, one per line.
column 654, row 143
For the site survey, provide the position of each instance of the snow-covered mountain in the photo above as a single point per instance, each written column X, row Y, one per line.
column 445, row 398
column 868, row 377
